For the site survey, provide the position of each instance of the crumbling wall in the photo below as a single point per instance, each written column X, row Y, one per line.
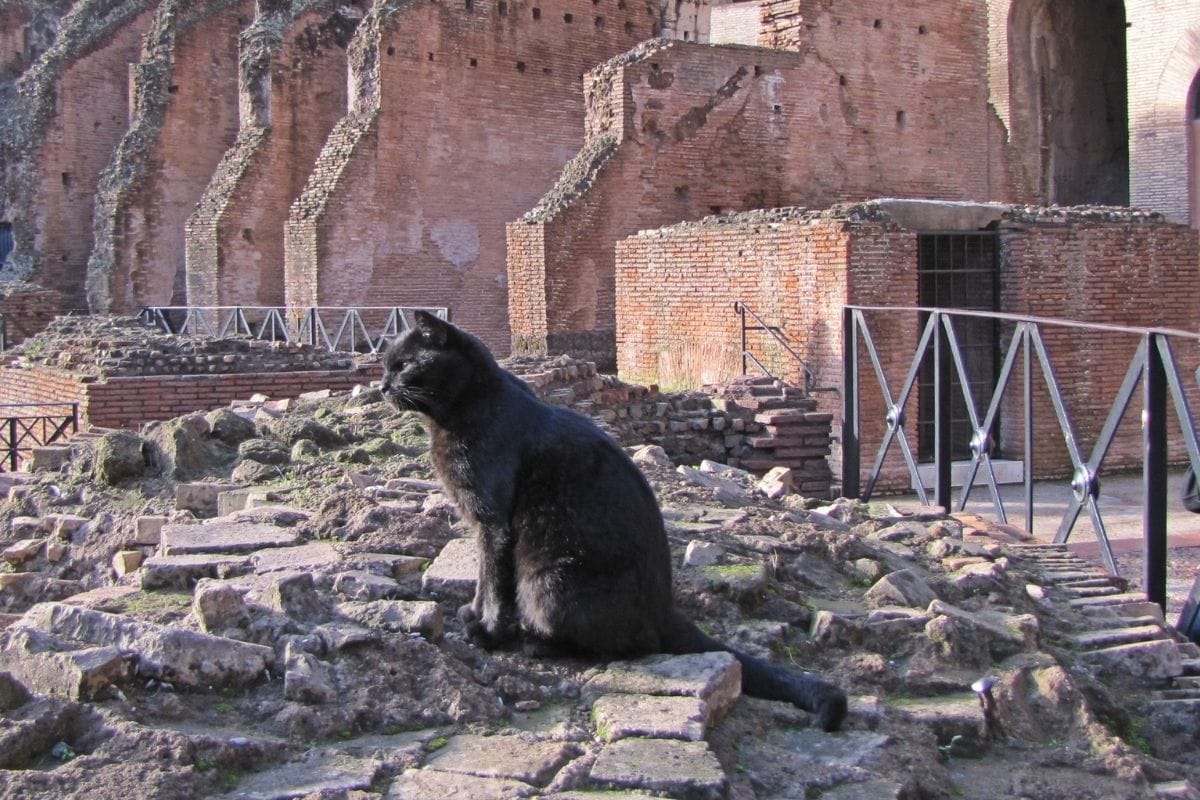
column 460, row 119
column 293, row 91
column 67, row 114
column 185, row 116
column 27, row 29
column 698, row 130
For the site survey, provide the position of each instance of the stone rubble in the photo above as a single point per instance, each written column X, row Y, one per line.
column 299, row 639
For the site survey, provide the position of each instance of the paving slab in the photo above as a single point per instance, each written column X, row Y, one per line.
column 301, row 556
column 423, row 617
column 224, row 536
column 427, row 784
column 454, row 572
column 321, row 772
column 715, row 678
column 620, row 716
column 686, row 770
column 511, row 757
column 160, row 572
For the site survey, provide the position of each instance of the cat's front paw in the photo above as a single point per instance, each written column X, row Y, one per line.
column 489, row 637
column 467, row 614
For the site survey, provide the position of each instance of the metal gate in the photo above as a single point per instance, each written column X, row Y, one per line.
column 959, row 270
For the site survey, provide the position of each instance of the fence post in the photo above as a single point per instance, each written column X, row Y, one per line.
column 850, row 433
column 1154, row 474
column 12, row 444
column 942, row 442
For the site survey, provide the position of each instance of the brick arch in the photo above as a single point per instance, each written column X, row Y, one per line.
column 1161, row 137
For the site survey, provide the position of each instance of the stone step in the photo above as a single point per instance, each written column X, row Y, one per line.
column 1155, row 659
column 1114, row 636
column 159, row 572
column 1182, row 790
column 1087, row 592
column 1191, row 666
column 1124, row 623
column 1178, row 694
column 1144, row 608
column 1108, row 600
column 223, row 535
column 1187, row 681
column 1084, row 583
column 1053, row 577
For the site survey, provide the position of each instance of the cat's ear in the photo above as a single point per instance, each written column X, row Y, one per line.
column 432, row 329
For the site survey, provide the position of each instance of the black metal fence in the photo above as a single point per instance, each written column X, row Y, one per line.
column 351, row 329
column 1023, row 341
column 24, row 426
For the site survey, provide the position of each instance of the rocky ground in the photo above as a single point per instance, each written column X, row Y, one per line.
column 259, row 603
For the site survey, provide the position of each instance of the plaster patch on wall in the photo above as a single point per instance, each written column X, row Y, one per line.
column 458, row 241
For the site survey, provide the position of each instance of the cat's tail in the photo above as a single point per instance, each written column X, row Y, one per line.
column 766, row 680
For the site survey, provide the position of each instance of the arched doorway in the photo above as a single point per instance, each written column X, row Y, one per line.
column 1069, row 98
column 1193, row 123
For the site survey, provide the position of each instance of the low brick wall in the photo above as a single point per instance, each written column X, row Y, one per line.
column 128, row 402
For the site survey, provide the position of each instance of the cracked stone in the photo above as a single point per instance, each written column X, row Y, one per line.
column 715, row 678
column 682, row 769
column 454, row 572
column 511, row 757
column 423, row 617
column 651, row 716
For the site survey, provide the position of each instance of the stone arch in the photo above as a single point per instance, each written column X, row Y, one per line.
column 1069, row 99
column 1163, row 137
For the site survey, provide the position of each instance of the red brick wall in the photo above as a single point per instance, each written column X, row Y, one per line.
column 706, row 128
column 186, row 117
column 235, row 238
column 675, row 288
column 129, row 402
column 478, row 111
column 27, row 313
column 76, row 147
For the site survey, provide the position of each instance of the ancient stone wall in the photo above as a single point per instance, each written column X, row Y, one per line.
column 185, row 83
column 701, row 129
column 293, row 87
column 27, row 29
column 69, row 111
column 463, row 116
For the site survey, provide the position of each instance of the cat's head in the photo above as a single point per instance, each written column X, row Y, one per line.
column 432, row 365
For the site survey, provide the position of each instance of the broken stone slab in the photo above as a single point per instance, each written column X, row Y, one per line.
column 65, row 526
column 957, row 720
column 422, row 617
column 620, row 716
column 393, row 564
column 126, row 561
column 45, row 664
column 518, row 758
column 1004, row 634
column 737, row 581
column 686, row 770
column 201, row 498
column 48, row 458
column 294, row 594
column 21, row 551
column 320, row 772
column 337, row 636
column 163, row 572
column 357, row 584
column 652, row 455
column 423, row 784
column 27, row 527
column 223, row 536
column 181, row 656
column 33, row 729
column 900, row 588
column 715, row 678
column 301, row 556
column 1156, row 659
column 454, row 572
column 702, row 554
column 218, row 606
column 306, row 679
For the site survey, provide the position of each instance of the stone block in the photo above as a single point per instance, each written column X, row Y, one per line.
column 49, row 458
column 454, row 572
column 201, row 498
column 900, row 588
column 66, row 526
column 218, row 606
column 702, row 554
column 620, row 716
column 397, row 616
column 685, row 770
column 510, row 757
column 224, row 536
column 126, row 561
column 423, row 784
column 306, row 679
column 320, row 773
column 21, row 551
column 302, row 556
column 149, row 530
column 715, row 678
column 162, row 572
column 359, row 584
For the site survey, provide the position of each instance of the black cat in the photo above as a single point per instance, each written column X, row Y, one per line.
column 573, row 555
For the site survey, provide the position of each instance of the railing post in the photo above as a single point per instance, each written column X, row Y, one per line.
column 850, row 432
column 741, row 310
column 1027, row 343
column 942, row 443
column 12, row 444
column 1154, row 474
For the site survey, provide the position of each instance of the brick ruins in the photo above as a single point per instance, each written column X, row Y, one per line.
column 499, row 157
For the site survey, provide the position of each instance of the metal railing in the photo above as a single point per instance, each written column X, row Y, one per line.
column 24, row 426
column 3, row 333
column 1153, row 365
column 776, row 333
column 336, row 328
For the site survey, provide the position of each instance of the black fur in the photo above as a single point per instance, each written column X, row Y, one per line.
column 573, row 554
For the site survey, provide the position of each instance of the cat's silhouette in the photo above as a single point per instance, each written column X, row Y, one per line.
column 573, row 553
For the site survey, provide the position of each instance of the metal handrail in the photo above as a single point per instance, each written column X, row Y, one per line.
column 1153, row 365
column 20, row 432
column 309, row 325
column 740, row 308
